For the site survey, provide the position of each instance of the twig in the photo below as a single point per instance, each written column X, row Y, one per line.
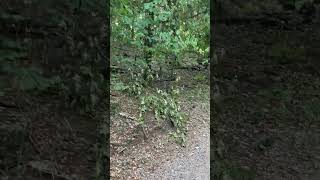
column 144, row 132
column 123, row 149
column 127, row 116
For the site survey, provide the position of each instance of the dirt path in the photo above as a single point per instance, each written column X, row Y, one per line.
column 159, row 157
column 192, row 163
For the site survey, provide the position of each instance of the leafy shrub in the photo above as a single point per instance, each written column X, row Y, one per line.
column 164, row 104
column 164, row 32
column 165, row 107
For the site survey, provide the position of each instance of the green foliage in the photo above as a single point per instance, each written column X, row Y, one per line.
column 165, row 107
column 200, row 77
column 119, row 86
column 164, row 104
column 140, row 77
column 162, row 33
column 175, row 27
column 24, row 78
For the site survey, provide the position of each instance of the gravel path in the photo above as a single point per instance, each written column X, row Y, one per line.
column 193, row 162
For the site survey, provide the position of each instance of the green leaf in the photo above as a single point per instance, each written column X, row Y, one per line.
column 148, row 6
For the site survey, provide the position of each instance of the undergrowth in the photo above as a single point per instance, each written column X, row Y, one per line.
column 165, row 107
column 163, row 103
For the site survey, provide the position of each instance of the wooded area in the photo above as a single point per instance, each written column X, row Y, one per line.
column 53, row 70
column 69, row 109
column 160, row 70
column 265, row 90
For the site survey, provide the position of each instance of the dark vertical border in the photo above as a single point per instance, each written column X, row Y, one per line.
column 108, row 90
column 103, row 154
column 212, row 107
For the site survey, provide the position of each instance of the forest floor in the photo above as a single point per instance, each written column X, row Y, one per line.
column 41, row 140
column 270, row 114
column 158, row 156
column 41, row 135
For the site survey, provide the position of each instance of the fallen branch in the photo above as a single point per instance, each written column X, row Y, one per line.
column 127, row 116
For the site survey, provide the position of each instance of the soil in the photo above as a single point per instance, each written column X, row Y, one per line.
column 193, row 162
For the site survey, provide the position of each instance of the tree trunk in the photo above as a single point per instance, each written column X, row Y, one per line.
column 147, row 41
